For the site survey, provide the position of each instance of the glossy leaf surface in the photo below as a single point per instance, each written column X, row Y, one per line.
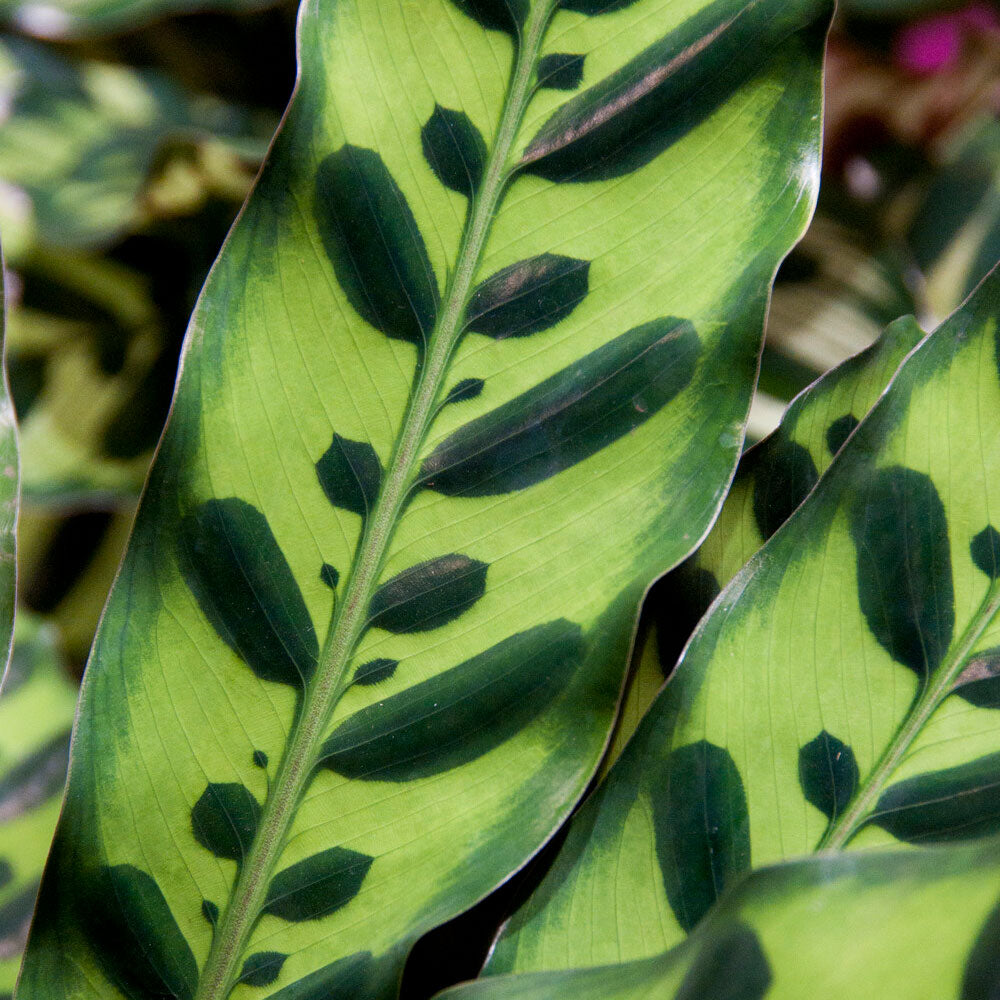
column 433, row 445
column 845, row 676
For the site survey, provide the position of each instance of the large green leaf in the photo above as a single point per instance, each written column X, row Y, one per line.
column 839, row 691
column 37, row 700
column 884, row 925
column 474, row 427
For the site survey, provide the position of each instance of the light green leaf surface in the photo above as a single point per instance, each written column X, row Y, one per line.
column 840, row 691
column 37, row 700
column 471, row 369
column 884, row 925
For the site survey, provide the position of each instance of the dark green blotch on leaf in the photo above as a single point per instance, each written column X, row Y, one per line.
column 731, row 965
column 981, row 978
column 828, row 774
column 979, row 682
column 225, row 819
column 956, row 803
column 375, row 671
column 260, row 759
column 350, row 474
column 783, row 475
column 460, row 714
column 330, row 575
column 499, row 15
column 630, row 117
column 468, row 388
column 528, row 297
column 374, row 245
column 134, row 936
column 905, row 588
column 210, row 911
column 701, row 826
column 262, row 968
column 839, row 431
column 318, row 886
column 560, row 71
column 985, row 551
column 454, row 149
column 240, row 578
column 569, row 416
column 428, row 595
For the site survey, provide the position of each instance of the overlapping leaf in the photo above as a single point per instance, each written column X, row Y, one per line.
column 885, row 925
column 470, row 371
column 839, row 692
column 773, row 478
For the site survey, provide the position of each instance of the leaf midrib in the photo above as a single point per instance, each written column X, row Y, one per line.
column 348, row 622
column 923, row 707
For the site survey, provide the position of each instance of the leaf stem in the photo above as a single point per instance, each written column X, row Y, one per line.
column 349, row 618
column 926, row 702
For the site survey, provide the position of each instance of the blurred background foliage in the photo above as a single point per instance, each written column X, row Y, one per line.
column 132, row 130
column 130, row 133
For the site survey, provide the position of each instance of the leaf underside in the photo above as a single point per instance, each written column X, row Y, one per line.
column 370, row 633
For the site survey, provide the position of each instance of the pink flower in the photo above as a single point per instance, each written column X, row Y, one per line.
column 933, row 44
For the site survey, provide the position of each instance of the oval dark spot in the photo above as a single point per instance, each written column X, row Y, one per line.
column 260, row 759
column 374, row 244
column 224, row 820
column 350, row 475
column 528, row 297
column 262, row 968
column 828, row 774
column 375, row 671
column 839, row 431
column 317, row 886
column 701, row 826
column 783, row 474
column 905, row 589
column 454, row 150
column 232, row 563
column 330, row 575
column 985, row 551
column 428, row 595
column 210, row 911
column 468, row 388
